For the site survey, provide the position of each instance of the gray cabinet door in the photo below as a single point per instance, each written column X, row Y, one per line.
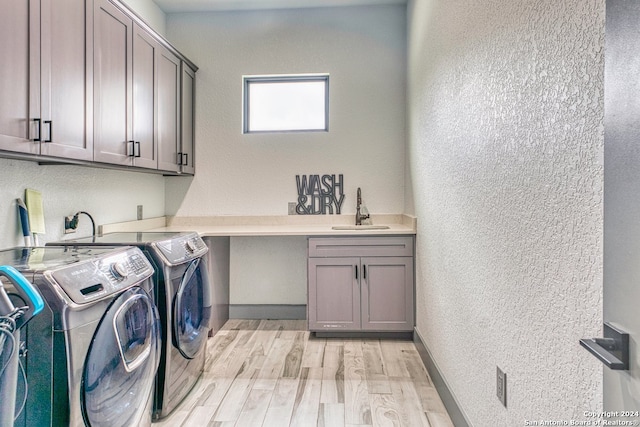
column 44, row 78
column 19, row 75
column 168, row 111
column 387, row 293
column 188, row 120
column 145, row 96
column 112, row 84
column 66, row 83
column 334, row 294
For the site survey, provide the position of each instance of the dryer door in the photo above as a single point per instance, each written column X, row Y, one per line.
column 192, row 310
column 122, row 362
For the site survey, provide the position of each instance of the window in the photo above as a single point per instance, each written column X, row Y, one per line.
column 292, row 103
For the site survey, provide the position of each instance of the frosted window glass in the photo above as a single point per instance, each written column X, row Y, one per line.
column 281, row 104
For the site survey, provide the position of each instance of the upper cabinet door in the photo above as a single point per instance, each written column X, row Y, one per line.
column 169, row 155
column 145, row 111
column 66, row 83
column 19, row 75
column 113, row 35
column 188, row 119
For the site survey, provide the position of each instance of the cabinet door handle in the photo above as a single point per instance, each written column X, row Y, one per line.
column 364, row 271
column 136, row 145
column 356, row 272
column 131, row 149
column 50, row 123
column 179, row 161
column 39, row 122
column 186, row 159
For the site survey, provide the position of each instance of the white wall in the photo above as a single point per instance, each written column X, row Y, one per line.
column 505, row 176
column 364, row 51
column 151, row 13
column 108, row 195
column 255, row 280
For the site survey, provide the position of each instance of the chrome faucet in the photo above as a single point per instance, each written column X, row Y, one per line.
column 359, row 216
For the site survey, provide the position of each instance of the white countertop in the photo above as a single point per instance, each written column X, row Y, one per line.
column 286, row 225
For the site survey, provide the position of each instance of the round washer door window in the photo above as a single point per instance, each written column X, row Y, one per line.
column 122, row 361
column 192, row 310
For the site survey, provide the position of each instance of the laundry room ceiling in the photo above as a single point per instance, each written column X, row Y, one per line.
column 172, row 6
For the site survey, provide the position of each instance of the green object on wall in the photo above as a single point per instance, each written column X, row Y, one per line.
column 33, row 200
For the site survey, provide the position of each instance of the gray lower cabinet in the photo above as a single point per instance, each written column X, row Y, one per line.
column 361, row 284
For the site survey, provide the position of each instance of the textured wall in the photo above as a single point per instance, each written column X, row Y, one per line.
column 108, row 195
column 364, row 51
column 505, row 175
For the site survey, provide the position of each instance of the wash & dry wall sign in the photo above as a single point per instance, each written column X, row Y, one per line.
column 319, row 195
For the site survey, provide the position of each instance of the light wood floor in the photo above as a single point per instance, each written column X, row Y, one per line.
column 273, row 373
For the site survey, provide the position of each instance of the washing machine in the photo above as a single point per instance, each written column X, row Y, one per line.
column 183, row 297
column 93, row 351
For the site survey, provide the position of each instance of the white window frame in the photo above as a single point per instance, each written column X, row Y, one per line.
column 286, row 78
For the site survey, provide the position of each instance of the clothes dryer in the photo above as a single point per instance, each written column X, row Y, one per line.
column 93, row 352
column 183, row 297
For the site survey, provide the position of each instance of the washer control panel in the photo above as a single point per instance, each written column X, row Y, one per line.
column 181, row 248
column 97, row 278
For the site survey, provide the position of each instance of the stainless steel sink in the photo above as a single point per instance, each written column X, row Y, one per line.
column 360, row 227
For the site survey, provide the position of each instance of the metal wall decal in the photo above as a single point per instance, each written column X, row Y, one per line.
column 319, row 195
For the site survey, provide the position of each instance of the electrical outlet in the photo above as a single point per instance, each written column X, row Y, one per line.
column 139, row 213
column 501, row 386
column 68, row 225
column 292, row 208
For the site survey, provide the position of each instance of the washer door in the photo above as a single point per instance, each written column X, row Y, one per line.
column 122, row 362
column 192, row 310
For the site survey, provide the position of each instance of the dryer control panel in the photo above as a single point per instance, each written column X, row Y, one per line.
column 181, row 248
column 98, row 278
